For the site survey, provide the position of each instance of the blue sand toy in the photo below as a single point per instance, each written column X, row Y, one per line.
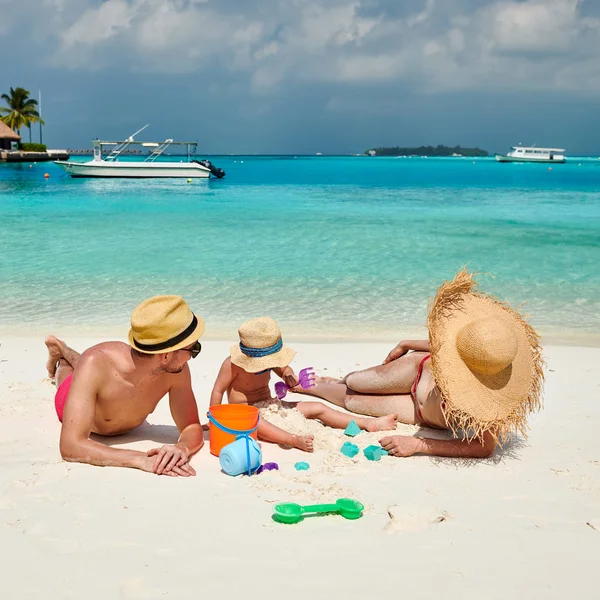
column 349, row 449
column 374, row 452
column 352, row 429
column 234, row 457
column 302, row 466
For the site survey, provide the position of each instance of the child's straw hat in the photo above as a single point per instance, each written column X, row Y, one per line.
column 260, row 347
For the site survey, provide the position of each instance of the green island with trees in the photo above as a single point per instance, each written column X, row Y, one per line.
column 427, row 151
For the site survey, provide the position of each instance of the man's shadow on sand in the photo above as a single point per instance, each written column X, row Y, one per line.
column 146, row 432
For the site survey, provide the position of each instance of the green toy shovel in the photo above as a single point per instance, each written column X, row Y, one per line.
column 290, row 512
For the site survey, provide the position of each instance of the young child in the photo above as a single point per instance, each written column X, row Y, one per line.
column 245, row 376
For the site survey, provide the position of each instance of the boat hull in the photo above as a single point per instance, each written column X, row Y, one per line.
column 131, row 170
column 520, row 159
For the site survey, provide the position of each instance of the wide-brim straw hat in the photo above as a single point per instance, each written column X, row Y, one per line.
column 164, row 324
column 486, row 360
column 261, row 347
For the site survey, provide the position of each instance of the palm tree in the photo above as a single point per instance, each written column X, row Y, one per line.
column 21, row 110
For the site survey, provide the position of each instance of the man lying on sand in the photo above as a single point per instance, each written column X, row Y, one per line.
column 112, row 387
column 245, row 376
column 480, row 374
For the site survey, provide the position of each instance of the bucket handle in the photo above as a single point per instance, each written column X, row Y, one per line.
column 239, row 433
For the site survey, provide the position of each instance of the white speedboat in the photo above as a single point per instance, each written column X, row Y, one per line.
column 533, row 154
column 119, row 163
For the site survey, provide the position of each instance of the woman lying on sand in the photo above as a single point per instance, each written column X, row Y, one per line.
column 479, row 375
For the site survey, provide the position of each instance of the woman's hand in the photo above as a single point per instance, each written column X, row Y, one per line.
column 401, row 445
column 397, row 352
column 405, row 346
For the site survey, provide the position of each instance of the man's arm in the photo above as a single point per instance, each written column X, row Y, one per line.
column 403, row 446
column 406, row 346
column 78, row 419
column 222, row 383
column 184, row 410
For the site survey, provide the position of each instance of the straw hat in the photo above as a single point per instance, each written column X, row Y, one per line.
column 164, row 324
column 486, row 360
column 260, row 347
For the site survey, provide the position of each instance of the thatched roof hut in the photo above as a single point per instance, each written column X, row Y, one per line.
column 7, row 136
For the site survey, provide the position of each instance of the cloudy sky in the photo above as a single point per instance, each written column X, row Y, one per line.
column 305, row 76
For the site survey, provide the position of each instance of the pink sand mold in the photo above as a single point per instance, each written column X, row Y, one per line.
column 306, row 378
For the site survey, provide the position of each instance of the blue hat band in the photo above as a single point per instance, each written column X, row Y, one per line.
column 260, row 352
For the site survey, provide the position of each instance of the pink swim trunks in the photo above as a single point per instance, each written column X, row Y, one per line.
column 61, row 396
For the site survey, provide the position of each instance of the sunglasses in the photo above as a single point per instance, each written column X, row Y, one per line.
column 194, row 350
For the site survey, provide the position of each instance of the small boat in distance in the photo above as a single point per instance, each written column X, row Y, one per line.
column 117, row 165
column 533, row 154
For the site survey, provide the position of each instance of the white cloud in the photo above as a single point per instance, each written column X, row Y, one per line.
column 108, row 20
column 442, row 45
column 540, row 26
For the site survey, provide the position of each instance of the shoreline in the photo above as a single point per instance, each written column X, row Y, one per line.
column 555, row 339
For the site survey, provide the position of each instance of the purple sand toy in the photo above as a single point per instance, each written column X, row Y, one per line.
column 306, row 378
column 268, row 467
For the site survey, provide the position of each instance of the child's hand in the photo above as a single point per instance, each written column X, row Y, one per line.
column 289, row 377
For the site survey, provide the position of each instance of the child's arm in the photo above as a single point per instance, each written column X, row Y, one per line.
column 222, row 383
column 288, row 376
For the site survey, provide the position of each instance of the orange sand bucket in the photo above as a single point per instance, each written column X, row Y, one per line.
column 227, row 421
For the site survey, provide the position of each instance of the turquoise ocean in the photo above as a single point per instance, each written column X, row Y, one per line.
column 331, row 247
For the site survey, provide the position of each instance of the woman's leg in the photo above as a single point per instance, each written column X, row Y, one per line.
column 397, row 377
column 365, row 404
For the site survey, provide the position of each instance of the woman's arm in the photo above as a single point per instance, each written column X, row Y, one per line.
column 406, row 346
column 403, row 446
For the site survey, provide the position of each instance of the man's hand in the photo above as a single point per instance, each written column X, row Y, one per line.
column 397, row 352
column 171, row 460
column 401, row 445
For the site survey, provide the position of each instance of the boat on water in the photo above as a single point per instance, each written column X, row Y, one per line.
column 118, row 162
column 533, row 154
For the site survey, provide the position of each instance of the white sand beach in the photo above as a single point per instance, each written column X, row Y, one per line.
column 524, row 524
